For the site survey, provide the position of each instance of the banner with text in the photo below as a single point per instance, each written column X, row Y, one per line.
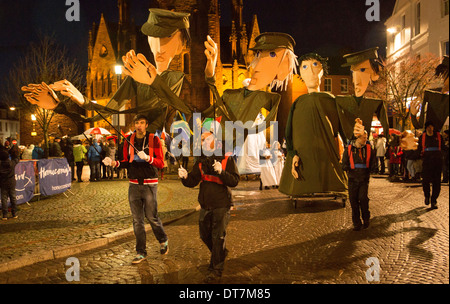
column 25, row 181
column 54, row 176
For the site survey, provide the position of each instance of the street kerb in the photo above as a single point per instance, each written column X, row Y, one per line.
column 67, row 251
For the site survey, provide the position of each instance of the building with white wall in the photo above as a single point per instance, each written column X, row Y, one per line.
column 418, row 27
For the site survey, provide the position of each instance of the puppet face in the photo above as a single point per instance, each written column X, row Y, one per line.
column 165, row 49
column 140, row 126
column 363, row 75
column 311, row 72
column 271, row 65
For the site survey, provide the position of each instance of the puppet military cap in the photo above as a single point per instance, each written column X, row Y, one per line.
column 358, row 57
column 442, row 69
column 163, row 23
column 272, row 41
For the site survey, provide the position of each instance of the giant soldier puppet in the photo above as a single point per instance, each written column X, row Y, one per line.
column 274, row 66
column 435, row 104
column 365, row 67
column 154, row 89
column 312, row 162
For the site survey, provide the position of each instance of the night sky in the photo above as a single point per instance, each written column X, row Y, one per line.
column 331, row 28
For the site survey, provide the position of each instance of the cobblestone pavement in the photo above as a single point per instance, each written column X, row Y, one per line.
column 87, row 213
column 270, row 241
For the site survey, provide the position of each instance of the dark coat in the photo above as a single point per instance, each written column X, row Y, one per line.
column 211, row 194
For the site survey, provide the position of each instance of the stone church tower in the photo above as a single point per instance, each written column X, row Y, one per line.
column 108, row 42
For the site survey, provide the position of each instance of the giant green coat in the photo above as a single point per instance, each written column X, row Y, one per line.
column 434, row 108
column 242, row 105
column 311, row 133
column 351, row 107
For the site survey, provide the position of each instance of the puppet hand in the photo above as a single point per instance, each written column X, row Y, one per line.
column 107, row 161
column 294, row 166
column 358, row 129
column 415, row 107
column 138, row 68
column 409, row 142
column 211, row 54
column 41, row 95
column 67, row 89
column 217, row 167
column 182, row 173
column 297, row 167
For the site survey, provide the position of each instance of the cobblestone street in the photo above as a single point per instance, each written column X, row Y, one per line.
column 269, row 240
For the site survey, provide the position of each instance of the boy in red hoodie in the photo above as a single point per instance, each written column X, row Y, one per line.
column 143, row 164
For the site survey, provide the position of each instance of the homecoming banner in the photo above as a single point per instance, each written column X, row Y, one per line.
column 25, row 182
column 54, row 176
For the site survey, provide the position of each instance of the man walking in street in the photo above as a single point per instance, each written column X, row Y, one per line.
column 143, row 158
column 430, row 145
column 358, row 159
column 215, row 175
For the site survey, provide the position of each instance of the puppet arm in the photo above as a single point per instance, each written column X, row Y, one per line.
column 41, row 95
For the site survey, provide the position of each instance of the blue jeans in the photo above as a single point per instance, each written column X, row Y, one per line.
column 95, row 170
column 143, row 204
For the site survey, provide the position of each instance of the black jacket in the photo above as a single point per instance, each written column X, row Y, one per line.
column 211, row 194
column 358, row 174
column 7, row 170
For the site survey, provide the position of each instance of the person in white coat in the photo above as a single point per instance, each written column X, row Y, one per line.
column 279, row 160
column 268, row 176
column 381, row 151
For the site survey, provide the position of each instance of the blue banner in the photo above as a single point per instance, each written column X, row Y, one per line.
column 25, row 181
column 54, row 176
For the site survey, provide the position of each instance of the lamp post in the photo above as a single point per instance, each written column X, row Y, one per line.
column 118, row 71
column 33, row 119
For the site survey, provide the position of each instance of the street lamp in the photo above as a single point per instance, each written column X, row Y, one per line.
column 118, row 71
column 33, row 119
column 116, row 117
column 392, row 30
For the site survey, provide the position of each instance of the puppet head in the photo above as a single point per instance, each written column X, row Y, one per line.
column 275, row 61
column 365, row 66
column 442, row 71
column 168, row 34
column 312, row 68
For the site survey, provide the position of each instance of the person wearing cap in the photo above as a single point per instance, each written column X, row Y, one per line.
column 312, row 129
column 216, row 175
column 435, row 104
column 365, row 66
column 273, row 66
column 430, row 147
column 168, row 34
column 143, row 156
